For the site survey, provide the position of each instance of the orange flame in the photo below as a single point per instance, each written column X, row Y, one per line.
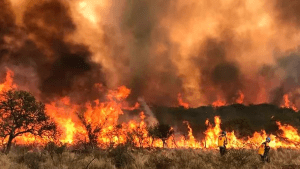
column 219, row 102
column 103, row 118
column 290, row 134
column 181, row 103
column 212, row 133
column 241, row 97
column 288, row 104
column 8, row 84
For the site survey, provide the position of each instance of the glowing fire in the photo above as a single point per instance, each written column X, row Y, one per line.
column 181, row 103
column 8, row 84
column 290, row 133
column 212, row 133
column 287, row 103
column 241, row 97
column 219, row 102
column 101, row 119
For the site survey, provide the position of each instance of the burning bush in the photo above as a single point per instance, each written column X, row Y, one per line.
column 21, row 114
column 161, row 131
column 105, row 124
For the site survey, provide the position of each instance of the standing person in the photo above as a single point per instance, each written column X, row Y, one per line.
column 264, row 149
column 222, row 142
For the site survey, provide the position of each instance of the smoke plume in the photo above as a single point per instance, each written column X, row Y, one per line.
column 158, row 49
column 63, row 68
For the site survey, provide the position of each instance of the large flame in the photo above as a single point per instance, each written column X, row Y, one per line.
column 103, row 117
column 287, row 103
column 181, row 103
column 241, row 97
column 219, row 102
column 8, row 83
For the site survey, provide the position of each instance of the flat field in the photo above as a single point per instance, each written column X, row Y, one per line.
column 127, row 158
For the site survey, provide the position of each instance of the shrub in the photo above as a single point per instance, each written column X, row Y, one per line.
column 159, row 161
column 31, row 159
column 120, row 156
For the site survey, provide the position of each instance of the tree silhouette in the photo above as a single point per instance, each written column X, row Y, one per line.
column 92, row 129
column 161, row 131
column 20, row 113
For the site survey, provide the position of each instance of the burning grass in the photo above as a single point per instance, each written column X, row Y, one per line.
column 127, row 157
column 97, row 124
column 92, row 137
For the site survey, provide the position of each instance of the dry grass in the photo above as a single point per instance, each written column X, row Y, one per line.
column 123, row 157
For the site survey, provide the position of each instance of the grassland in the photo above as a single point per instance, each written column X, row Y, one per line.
column 127, row 158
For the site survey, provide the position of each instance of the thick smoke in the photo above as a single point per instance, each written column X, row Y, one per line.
column 159, row 48
column 156, row 48
column 7, row 25
column 287, row 69
column 150, row 118
column 63, row 68
column 219, row 76
column 150, row 71
column 288, row 11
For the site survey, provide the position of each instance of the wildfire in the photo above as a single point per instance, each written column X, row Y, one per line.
column 8, row 84
column 181, row 103
column 219, row 102
column 241, row 97
column 190, row 141
column 289, row 139
column 290, row 133
column 98, row 121
column 287, row 103
column 63, row 113
column 212, row 133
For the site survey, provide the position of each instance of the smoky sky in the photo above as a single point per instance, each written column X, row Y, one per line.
column 63, row 68
column 219, row 74
column 150, row 71
column 143, row 49
column 290, row 65
column 7, row 24
column 288, row 11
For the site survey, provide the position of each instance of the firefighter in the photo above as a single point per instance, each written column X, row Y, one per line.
column 264, row 149
column 222, row 142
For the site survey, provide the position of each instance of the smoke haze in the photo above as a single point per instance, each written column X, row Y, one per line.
column 156, row 48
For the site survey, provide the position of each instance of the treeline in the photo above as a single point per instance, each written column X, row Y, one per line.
column 21, row 113
column 243, row 119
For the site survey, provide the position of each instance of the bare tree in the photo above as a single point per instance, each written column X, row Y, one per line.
column 20, row 113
